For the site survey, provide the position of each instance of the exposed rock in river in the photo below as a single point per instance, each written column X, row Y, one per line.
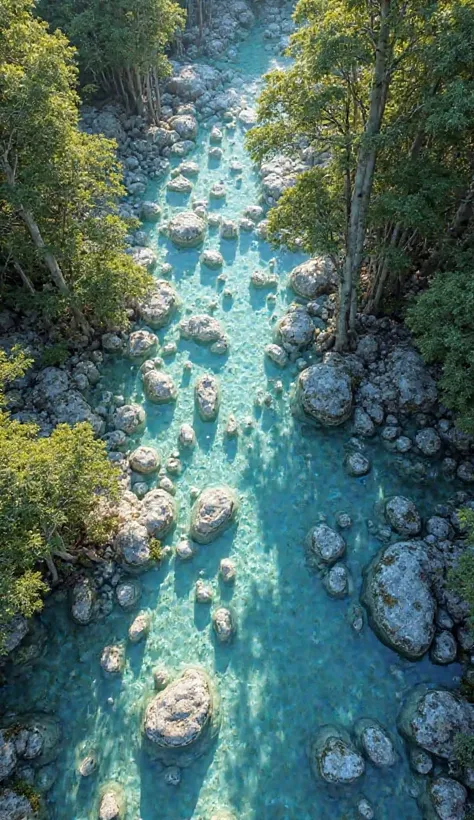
column 313, row 278
column 334, row 757
column 207, row 395
column 431, row 718
column 324, row 394
column 398, row 596
column 182, row 721
column 187, row 230
column 213, row 512
column 157, row 309
column 403, row 516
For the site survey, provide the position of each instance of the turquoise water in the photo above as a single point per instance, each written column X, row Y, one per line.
column 296, row 662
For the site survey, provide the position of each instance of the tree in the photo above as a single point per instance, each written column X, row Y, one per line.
column 442, row 320
column 50, row 489
column 363, row 78
column 121, row 45
column 59, row 188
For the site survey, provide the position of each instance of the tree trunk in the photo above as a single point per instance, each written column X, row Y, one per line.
column 363, row 184
column 49, row 258
column 53, row 267
column 24, row 278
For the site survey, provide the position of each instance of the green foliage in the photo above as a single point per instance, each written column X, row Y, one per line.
column 54, row 355
column 464, row 750
column 53, row 492
column 70, row 182
column 155, row 549
column 442, row 319
column 28, row 791
column 118, row 39
column 424, row 164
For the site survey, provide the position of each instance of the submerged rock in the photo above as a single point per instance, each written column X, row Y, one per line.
column 139, row 628
column 444, row 648
column 374, row 742
column 337, row 581
column 324, row 546
column 112, row 804
column 334, row 757
column 357, row 465
column 182, row 720
column 398, row 597
column 128, row 593
column 431, row 718
column 186, row 230
column 159, row 387
column 157, row 309
column 227, row 571
column 112, row 659
column 324, row 394
column 207, row 396
column 313, row 278
column 403, row 516
column 213, row 512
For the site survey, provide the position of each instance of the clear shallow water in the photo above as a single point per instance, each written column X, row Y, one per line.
column 296, row 662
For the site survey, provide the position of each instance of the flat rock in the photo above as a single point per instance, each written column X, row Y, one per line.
column 416, row 389
column 397, row 594
column 213, row 512
column 202, row 329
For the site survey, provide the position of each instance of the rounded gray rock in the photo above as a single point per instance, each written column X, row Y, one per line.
column 374, row 742
column 159, row 387
column 159, row 306
column 403, row 516
column 213, row 512
column 187, row 230
column 324, row 394
column 431, row 719
column 324, row 546
column 313, row 278
column 397, row 594
column 334, row 758
column 207, row 396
